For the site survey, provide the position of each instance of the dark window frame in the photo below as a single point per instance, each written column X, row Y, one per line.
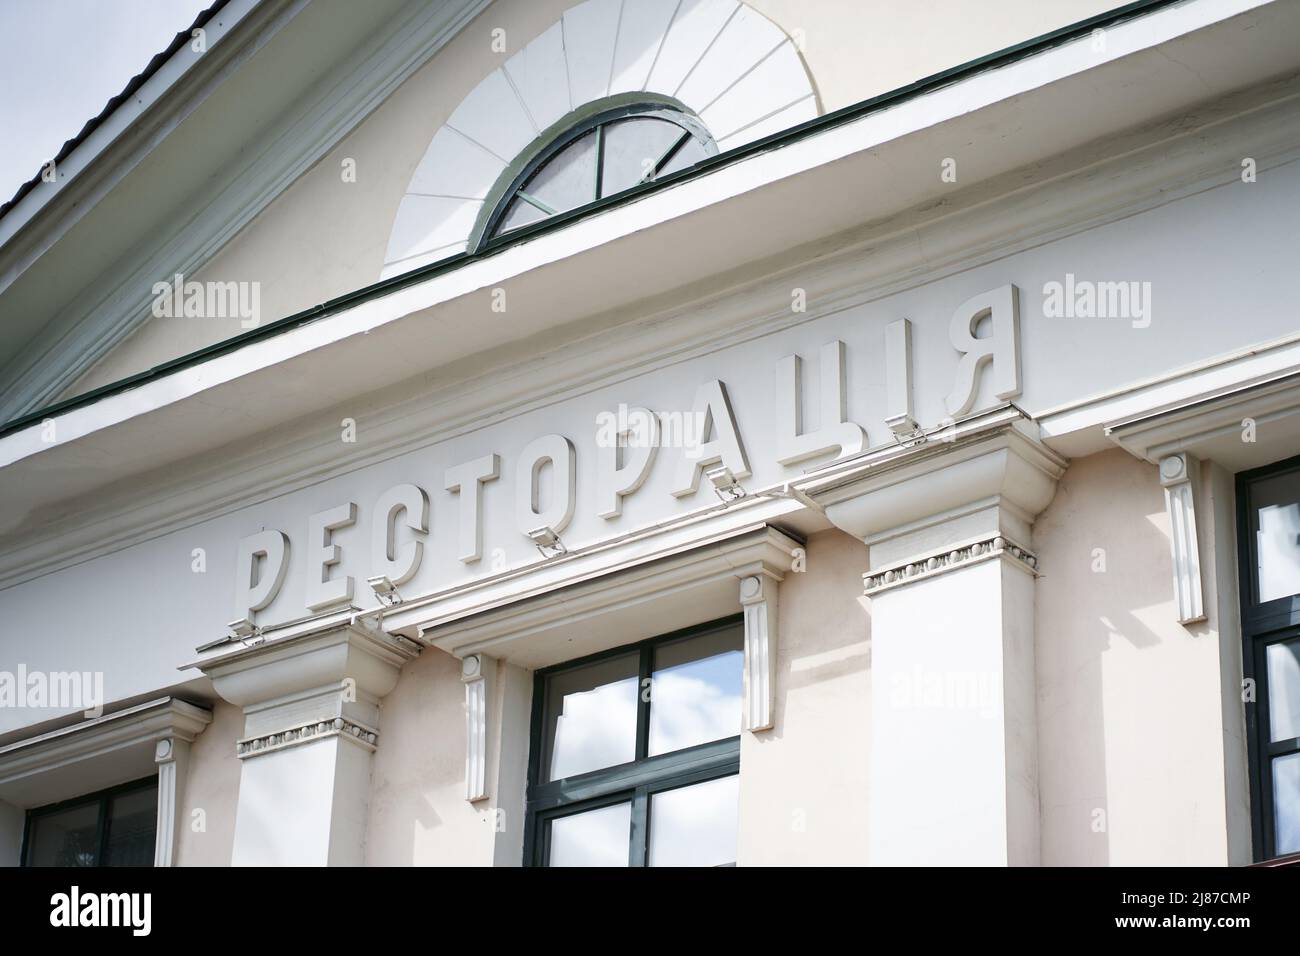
column 104, row 799
column 689, row 123
column 636, row 781
column 1262, row 624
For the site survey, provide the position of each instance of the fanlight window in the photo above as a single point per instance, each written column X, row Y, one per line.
column 608, row 154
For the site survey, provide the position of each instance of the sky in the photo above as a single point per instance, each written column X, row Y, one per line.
column 62, row 60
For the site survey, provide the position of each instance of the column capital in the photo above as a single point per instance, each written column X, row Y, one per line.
column 947, row 521
column 985, row 477
column 335, row 662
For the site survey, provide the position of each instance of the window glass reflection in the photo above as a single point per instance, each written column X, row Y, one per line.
column 615, row 155
column 695, row 825
column 695, row 690
column 1276, row 502
column 569, row 178
column 591, row 717
column 633, row 148
column 1286, row 804
column 132, row 823
column 520, row 213
column 1284, row 690
column 592, row 838
column 66, row 838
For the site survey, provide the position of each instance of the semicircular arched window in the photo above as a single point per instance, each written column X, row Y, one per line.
column 604, row 155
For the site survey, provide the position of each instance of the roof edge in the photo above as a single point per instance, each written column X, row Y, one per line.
column 517, row 237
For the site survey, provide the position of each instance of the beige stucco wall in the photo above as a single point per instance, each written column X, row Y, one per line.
column 323, row 237
column 418, row 812
column 803, row 784
column 1136, row 762
column 213, row 787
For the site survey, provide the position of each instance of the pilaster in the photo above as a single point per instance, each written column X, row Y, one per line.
column 311, row 723
column 954, row 777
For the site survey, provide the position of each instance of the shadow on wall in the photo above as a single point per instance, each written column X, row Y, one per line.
column 418, row 812
column 1104, row 552
column 207, row 832
column 804, row 782
column 825, row 626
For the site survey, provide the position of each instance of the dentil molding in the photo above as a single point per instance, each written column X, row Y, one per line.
column 940, row 562
column 350, row 730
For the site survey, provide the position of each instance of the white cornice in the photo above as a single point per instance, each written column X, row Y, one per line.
column 984, row 224
column 1213, row 425
column 561, row 619
column 95, row 753
column 95, row 324
column 297, row 660
column 995, row 457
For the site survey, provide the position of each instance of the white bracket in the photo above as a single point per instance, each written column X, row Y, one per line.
column 172, row 755
column 476, row 672
column 758, row 598
column 1178, row 475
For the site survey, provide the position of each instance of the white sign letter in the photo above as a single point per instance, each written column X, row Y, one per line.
column 252, row 591
column 1001, row 346
column 622, row 465
column 712, row 404
column 399, row 565
column 321, row 591
column 557, row 451
column 898, row 378
column 467, row 481
column 834, row 432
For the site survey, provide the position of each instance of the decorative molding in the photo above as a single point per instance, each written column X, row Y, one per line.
column 101, row 752
column 732, row 66
column 96, row 324
column 691, row 570
column 758, row 597
column 1237, row 427
column 992, row 458
column 1214, row 406
column 477, row 672
column 352, row 731
column 1178, row 474
column 949, row 559
column 319, row 682
column 172, row 755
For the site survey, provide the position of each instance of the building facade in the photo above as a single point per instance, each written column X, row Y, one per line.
column 661, row 432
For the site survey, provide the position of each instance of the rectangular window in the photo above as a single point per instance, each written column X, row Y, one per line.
column 111, row 828
column 1268, row 504
column 636, row 754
